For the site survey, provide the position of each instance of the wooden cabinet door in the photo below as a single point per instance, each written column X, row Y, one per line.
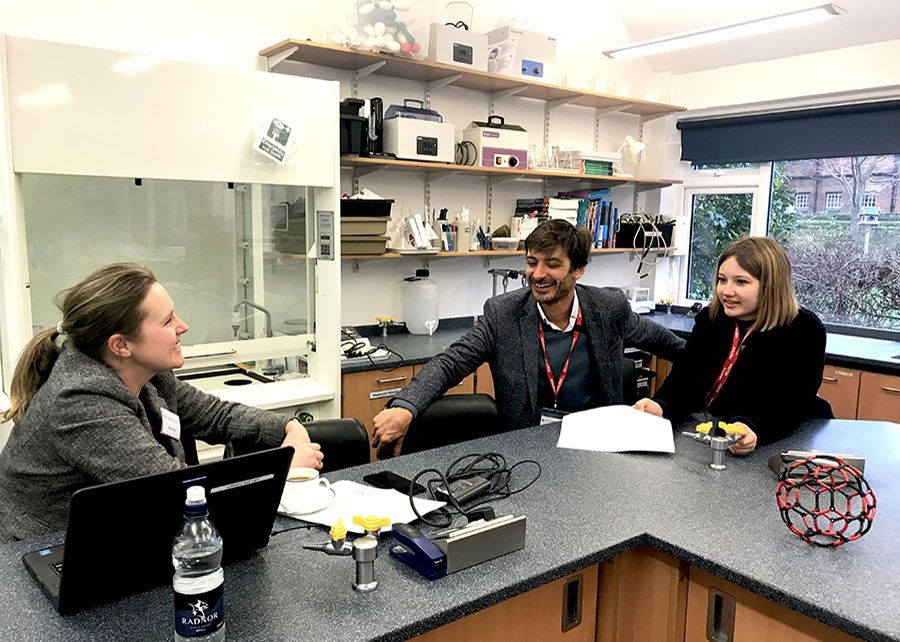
column 641, row 598
column 365, row 393
column 840, row 387
column 484, row 381
column 464, row 387
column 755, row 617
column 879, row 397
column 662, row 368
column 535, row 616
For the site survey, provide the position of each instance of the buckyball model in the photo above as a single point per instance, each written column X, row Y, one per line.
column 826, row 501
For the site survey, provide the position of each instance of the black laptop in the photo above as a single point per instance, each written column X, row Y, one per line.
column 144, row 514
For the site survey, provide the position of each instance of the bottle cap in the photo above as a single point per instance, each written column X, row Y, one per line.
column 196, row 494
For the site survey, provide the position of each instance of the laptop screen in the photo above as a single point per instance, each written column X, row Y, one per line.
column 119, row 536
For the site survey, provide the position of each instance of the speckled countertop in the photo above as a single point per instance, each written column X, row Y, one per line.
column 841, row 349
column 586, row 508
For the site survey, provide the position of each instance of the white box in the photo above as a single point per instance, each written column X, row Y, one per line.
column 417, row 139
column 451, row 45
column 513, row 51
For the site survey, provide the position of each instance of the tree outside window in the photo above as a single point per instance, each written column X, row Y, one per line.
column 846, row 264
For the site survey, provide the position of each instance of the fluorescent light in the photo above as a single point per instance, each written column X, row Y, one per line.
column 729, row 31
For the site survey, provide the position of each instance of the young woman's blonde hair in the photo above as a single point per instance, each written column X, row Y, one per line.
column 105, row 302
column 763, row 259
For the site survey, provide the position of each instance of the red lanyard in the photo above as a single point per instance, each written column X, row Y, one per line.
column 556, row 385
column 729, row 364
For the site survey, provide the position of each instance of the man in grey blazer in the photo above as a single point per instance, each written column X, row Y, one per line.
column 554, row 347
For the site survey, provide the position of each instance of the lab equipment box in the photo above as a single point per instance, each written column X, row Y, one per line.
column 498, row 144
column 421, row 140
column 363, row 226
column 514, row 51
column 452, row 45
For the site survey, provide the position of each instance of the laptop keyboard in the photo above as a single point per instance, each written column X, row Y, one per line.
column 57, row 566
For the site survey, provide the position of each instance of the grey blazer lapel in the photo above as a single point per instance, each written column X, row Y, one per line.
column 531, row 348
column 595, row 317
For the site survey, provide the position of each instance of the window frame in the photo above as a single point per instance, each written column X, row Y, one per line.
column 840, row 198
column 754, row 181
column 805, row 206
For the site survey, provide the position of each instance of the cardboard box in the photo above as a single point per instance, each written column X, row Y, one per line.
column 514, row 51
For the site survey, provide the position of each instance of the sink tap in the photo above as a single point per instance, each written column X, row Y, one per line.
column 236, row 318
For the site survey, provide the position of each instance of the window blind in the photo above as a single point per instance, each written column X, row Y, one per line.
column 826, row 132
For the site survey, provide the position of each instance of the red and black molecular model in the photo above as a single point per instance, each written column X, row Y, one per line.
column 825, row 500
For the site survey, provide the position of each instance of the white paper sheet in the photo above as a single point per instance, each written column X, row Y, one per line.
column 616, row 429
column 352, row 499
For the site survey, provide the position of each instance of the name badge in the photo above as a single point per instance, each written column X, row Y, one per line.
column 550, row 415
column 171, row 424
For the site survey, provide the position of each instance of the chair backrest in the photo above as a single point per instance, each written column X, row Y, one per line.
column 452, row 419
column 629, row 382
column 344, row 442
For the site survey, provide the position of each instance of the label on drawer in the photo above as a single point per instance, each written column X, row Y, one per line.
column 381, row 394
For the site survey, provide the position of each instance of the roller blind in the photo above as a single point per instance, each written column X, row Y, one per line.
column 827, row 132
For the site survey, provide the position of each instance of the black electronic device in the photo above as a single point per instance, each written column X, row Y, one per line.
column 462, row 490
column 243, row 494
column 387, row 479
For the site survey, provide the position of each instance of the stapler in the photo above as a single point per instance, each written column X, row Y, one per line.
column 419, row 552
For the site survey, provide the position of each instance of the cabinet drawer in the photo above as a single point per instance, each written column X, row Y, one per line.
column 879, row 397
column 840, row 387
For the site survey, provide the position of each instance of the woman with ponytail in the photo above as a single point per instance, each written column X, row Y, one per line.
column 94, row 400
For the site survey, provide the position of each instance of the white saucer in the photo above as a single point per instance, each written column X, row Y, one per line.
column 323, row 501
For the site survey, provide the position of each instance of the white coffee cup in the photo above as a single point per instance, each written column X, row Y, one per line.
column 305, row 491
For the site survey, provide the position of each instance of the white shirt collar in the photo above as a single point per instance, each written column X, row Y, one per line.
column 573, row 317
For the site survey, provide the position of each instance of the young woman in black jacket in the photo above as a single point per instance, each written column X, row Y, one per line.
column 754, row 357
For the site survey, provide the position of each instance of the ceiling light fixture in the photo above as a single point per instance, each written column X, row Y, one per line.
column 730, row 30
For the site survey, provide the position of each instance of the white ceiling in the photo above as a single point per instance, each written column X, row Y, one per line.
column 866, row 21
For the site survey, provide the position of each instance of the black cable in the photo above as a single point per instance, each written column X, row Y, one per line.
column 491, row 466
column 306, row 525
column 462, row 153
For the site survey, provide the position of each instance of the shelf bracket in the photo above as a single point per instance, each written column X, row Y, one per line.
column 434, row 85
column 497, row 180
column 559, row 102
column 365, row 171
column 276, row 59
column 501, row 95
column 611, row 110
column 438, row 175
column 355, row 266
column 362, row 72
column 427, row 196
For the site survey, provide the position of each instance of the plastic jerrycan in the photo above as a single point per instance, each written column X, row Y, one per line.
column 420, row 303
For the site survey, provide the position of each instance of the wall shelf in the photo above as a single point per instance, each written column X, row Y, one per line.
column 439, row 169
column 486, row 253
column 315, row 53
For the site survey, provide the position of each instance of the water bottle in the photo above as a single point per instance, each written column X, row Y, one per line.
column 199, row 582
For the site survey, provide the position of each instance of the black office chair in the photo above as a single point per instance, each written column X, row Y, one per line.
column 452, row 419
column 344, row 442
column 629, row 382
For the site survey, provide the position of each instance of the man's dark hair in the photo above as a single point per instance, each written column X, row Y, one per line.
column 575, row 241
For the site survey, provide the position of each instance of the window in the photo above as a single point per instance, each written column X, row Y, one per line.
column 717, row 218
column 801, row 201
column 844, row 264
